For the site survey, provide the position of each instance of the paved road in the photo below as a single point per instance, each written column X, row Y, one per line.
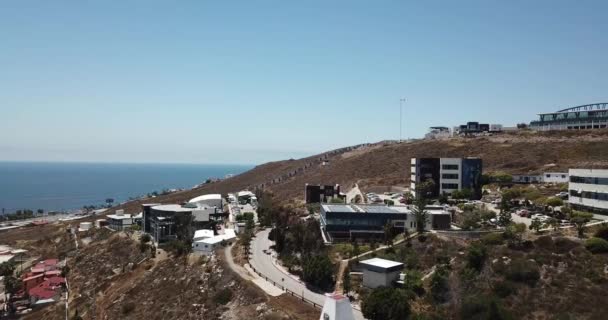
column 263, row 263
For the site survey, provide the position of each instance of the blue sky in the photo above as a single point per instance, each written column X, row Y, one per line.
column 253, row 81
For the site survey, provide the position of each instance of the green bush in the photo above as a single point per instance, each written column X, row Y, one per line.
column 223, row 296
column 503, row 289
column 602, row 232
column 524, row 271
column 597, row 245
column 482, row 307
column 493, row 239
column 386, row 304
column 476, row 256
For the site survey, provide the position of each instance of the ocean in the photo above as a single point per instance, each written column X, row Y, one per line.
column 69, row 186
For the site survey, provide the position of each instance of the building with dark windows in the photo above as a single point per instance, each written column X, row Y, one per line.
column 473, row 127
column 589, row 116
column 447, row 175
column 588, row 190
column 163, row 221
column 350, row 221
column 321, row 193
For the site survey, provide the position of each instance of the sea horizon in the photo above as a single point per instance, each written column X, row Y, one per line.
column 68, row 186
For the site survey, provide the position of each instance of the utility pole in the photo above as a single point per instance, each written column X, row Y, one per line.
column 401, row 101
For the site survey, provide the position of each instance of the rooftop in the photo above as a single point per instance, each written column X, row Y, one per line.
column 382, row 263
column 214, row 196
column 172, row 208
column 119, row 217
column 203, row 233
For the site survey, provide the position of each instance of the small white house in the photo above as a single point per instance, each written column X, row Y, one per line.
column 555, row 177
column 208, row 245
column 84, row 226
column 380, row 272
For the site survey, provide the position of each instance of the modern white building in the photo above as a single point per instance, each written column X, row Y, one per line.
column 337, row 307
column 209, row 200
column 438, row 133
column 588, row 190
column 208, row 245
column 555, row 177
column 380, row 272
column 119, row 221
column 202, row 234
column 447, row 175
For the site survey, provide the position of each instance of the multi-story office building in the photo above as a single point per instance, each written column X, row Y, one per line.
column 447, row 175
column 321, row 193
column 589, row 116
column 589, row 190
column 364, row 221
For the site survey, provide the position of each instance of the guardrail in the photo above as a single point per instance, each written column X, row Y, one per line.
column 293, row 294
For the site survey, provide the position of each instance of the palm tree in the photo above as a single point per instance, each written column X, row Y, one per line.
column 420, row 215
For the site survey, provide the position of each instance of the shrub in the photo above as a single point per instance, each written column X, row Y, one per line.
column 386, row 304
column 596, row 245
column 602, row 232
column 503, row 288
column 127, row 308
column 223, row 296
column 493, row 239
column 524, row 271
column 482, row 308
column 476, row 256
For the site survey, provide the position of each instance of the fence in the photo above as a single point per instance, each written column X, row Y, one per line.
column 293, row 294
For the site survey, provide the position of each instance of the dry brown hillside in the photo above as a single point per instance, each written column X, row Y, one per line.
column 387, row 163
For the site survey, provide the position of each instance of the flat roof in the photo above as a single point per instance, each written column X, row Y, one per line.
column 382, row 264
column 117, row 217
column 214, row 196
column 172, row 208
column 203, row 233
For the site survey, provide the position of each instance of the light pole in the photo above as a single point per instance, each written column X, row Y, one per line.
column 401, row 101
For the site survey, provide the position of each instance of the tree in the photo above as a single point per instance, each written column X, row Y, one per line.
column 425, row 189
column 439, row 284
column 602, row 232
column 346, row 281
column 109, row 201
column 536, row 225
column 476, row 256
column 420, row 215
column 554, row 223
column 386, row 304
column 580, row 219
column 515, row 232
column 388, row 234
column 11, row 283
column 318, row 271
column 504, row 218
column 470, row 220
column 554, row 202
column 486, row 215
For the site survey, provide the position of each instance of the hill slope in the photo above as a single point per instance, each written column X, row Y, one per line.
column 387, row 163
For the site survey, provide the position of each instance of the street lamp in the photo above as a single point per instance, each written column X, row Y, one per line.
column 401, row 101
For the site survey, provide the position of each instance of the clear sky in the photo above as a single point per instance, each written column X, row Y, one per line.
column 253, row 81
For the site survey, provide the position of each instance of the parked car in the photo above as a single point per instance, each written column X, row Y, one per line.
column 563, row 195
column 523, row 213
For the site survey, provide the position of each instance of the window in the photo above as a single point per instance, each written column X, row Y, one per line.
column 590, row 195
column 449, row 176
column 563, row 176
column 548, row 176
column 589, row 180
column 449, row 186
column 449, row 167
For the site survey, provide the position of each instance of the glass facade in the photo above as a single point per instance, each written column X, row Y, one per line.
column 449, row 176
column 449, row 167
column 590, row 195
column 589, row 180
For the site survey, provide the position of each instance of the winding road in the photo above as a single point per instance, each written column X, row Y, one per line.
column 266, row 265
